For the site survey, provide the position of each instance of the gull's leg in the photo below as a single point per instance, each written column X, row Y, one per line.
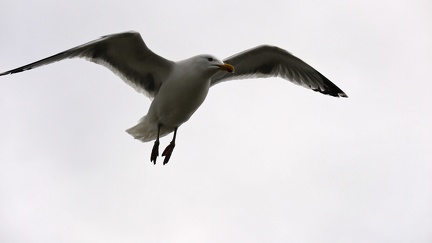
column 155, row 150
column 169, row 149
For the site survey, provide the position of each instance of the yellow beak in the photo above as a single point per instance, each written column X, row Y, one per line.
column 227, row 67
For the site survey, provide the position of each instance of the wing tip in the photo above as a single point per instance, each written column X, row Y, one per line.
column 18, row 70
column 342, row 95
column 335, row 93
column 6, row 73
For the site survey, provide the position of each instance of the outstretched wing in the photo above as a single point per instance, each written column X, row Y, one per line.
column 125, row 54
column 270, row 61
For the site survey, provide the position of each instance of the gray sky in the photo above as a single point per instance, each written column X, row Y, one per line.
column 260, row 161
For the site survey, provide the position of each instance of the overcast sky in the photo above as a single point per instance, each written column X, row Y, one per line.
column 261, row 160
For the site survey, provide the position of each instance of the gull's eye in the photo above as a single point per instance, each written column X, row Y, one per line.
column 210, row 59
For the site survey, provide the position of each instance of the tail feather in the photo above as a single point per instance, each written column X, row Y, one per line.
column 146, row 131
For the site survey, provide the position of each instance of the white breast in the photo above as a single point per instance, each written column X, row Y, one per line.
column 180, row 96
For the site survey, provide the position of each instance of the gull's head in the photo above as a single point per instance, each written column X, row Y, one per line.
column 211, row 63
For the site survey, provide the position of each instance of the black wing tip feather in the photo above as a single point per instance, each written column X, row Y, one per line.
column 337, row 94
column 343, row 95
column 18, row 70
column 331, row 88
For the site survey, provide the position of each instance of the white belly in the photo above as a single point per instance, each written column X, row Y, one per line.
column 176, row 103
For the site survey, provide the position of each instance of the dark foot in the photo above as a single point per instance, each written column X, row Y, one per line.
column 155, row 152
column 167, row 152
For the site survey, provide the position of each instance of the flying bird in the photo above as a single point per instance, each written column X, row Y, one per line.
column 179, row 88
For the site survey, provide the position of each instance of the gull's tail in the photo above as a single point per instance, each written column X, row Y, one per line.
column 146, row 130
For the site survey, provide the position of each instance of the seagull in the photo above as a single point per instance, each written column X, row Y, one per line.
column 177, row 89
